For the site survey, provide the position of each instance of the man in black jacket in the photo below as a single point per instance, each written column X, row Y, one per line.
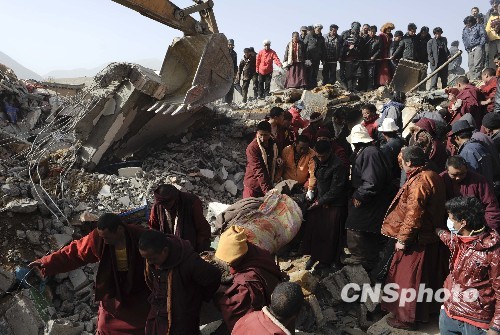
column 371, row 51
column 333, row 52
column 437, row 50
column 246, row 72
column 229, row 96
column 423, row 37
column 315, row 53
column 408, row 47
column 351, row 53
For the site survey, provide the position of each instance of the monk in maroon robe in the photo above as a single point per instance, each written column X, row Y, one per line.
column 470, row 97
column 179, row 280
column 254, row 276
column 180, row 214
column 119, row 286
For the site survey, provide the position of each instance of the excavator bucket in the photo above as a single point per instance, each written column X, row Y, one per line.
column 197, row 70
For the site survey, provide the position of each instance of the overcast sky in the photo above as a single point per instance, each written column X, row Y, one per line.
column 67, row 34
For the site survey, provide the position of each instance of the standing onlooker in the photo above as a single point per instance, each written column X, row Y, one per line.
column 315, row 53
column 351, row 50
column 371, row 52
column 437, row 50
column 494, row 4
column 392, row 147
column 396, row 54
column 303, row 33
column 384, row 75
column 493, row 33
column 454, row 66
column 255, row 79
column 410, row 223
column 423, row 37
column 246, row 72
column 229, row 96
column 408, row 46
column 333, row 52
column 264, row 67
column 294, row 61
column 479, row 16
column 474, row 272
column 474, row 38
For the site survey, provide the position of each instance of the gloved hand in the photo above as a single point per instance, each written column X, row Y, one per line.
column 310, row 195
column 308, row 62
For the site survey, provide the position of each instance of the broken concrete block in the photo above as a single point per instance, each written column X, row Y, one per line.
column 314, row 102
column 33, row 236
column 105, row 191
column 207, row 173
column 22, row 206
column 7, row 280
column 78, row 279
column 20, row 234
column 222, row 173
column 60, row 240
column 23, row 318
column 316, row 309
column 305, row 279
column 231, row 187
column 125, row 201
column 11, row 190
column 129, row 172
column 32, row 118
column 227, row 164
column 63, row 327
column 329, row 315
column 338, row 280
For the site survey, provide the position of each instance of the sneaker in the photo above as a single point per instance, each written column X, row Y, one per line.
column 395, row 323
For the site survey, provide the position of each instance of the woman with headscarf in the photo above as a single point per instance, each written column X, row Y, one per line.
column 425, row 135
column 384, row 75
column 294, row 62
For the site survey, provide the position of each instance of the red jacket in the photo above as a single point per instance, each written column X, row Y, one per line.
column 264, row 63
column 261, row 323
column 476, row 185
column 474, row 265
column 254, row 280
column 126, row 300
column 297, row 121
column 489, row 89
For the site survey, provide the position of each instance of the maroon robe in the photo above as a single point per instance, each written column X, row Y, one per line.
column 189, row 280
column 191, row 223
column 259, row 174
column 384, row 75
column 123, row 304
column 259, row 323
column 471, row 103
column 255, row 278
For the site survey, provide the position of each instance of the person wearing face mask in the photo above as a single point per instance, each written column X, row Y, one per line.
column 410, row 222
column 460, row 181
column 181, row 214
column 474, row 269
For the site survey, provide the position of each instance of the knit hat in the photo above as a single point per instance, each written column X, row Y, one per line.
column 459, row 127
column 323, row 132
column 315, row 117
column 492, row 121
column 232, row 245
column 359, row 134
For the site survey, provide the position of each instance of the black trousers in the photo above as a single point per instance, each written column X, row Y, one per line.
column 370, row 75
column 443, row 74
column 329, row 73
column 265, row 84
column 365, row 248
column 351, row 74
column 229, row 96
column 255, row 80
column 244, row 89
column 313, row 74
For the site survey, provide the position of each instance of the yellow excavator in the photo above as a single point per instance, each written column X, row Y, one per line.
column 197, row 68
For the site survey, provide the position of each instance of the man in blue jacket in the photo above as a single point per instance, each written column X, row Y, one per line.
column 474, row 38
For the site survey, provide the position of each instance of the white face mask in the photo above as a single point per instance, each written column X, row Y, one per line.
column 451, row 226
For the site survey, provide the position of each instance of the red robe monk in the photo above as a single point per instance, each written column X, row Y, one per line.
column 180, row 214
column 254, row 276
column 470, row 97
column 489, row 90
column 119, row 286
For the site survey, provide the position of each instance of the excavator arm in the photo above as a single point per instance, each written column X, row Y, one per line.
column 198, row 68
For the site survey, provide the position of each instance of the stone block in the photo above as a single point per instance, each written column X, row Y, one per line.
column 78, row 279
column 231, row 187
column 61, row 240
column 22, row 206
column 305, row 279
column 23, row 318
column 63, row 327
column 129, row 172
column 7, row 280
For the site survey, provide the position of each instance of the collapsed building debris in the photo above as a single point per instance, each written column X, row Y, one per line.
column 44, row 189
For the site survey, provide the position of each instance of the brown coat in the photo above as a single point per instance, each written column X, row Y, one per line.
column 417, row 210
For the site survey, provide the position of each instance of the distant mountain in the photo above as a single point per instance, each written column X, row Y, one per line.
column 150, row 63
column 21, row 71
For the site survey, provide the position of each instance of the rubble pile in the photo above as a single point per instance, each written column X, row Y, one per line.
column 44, row 189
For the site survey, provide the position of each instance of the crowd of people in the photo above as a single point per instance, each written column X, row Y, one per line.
column 423, row 209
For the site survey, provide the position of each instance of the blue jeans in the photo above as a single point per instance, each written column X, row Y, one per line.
column 449, row 326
